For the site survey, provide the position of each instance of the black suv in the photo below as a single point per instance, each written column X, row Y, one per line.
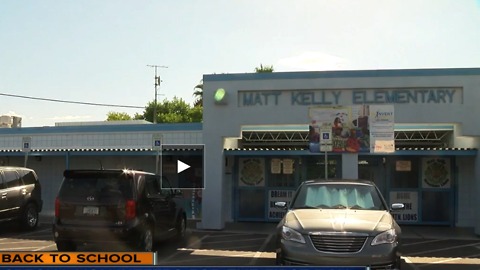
column 21, row 196
column 104, row 207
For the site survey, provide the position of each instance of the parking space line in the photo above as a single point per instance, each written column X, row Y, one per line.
column 442, row 249
column 24, row 241
column 18, row 248
column 423, row 242
column 410, row 263
column 29, row 233
column 235, row 241
column 446, row 261
column 228, row 235
column 190, row 245
column 262, row 248
column 41, row 248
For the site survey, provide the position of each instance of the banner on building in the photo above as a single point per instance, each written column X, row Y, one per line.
column 361, row 128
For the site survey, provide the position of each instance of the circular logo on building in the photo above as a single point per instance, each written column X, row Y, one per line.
column 252, row 172
column 437, row 173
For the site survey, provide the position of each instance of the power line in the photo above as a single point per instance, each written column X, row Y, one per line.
column 73, row 102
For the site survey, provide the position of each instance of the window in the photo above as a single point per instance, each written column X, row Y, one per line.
column 339, row 196
column 12, row 179
column 152, row 185
column 28, row 177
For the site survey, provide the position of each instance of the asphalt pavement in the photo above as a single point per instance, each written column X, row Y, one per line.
column 408, row 231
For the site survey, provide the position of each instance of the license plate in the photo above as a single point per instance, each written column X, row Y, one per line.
column 90, row 210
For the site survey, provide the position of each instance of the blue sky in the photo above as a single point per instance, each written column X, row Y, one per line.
column 98, row 51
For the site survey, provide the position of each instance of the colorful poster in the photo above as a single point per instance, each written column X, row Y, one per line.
column 252, row 172
column 410, row 200
column 436, row 173
column 278, row 196
column 349, row 125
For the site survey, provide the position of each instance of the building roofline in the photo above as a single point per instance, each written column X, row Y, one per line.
column 343, row 74
column 100, row 128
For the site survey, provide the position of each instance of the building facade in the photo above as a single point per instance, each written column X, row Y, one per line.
column 257, row 120
column 256, row 134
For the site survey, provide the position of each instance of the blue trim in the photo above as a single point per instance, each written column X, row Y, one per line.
column 103, row 128
column 342, row 74
column 469, row 152
column 413, row 127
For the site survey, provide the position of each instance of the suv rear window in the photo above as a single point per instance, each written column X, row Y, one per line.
column 28, row 177
column 88, row 184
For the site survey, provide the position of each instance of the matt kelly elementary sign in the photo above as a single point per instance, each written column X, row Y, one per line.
column 330, row 97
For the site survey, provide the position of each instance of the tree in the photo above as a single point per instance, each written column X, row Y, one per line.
column 198, row 94
column 168, row 111
column 118, row 116
column 264, row 69
column 174, row 111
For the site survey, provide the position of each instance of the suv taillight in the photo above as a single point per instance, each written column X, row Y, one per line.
column 130, row 209
column 57, row 207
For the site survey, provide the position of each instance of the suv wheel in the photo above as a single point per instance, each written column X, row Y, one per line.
column 181, row 228
column 29, row 218
column 146, row 240
column 66, row 246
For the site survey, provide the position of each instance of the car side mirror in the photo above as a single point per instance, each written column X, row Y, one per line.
column 282, row 205
column 397, row 206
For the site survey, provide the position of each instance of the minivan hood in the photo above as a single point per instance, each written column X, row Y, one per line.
column 343, row 220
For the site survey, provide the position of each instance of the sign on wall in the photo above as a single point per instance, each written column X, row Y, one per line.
column 26, row 144
column 362, row 128
column 252, row 172
column 436, row 173
column 336, row 97
column 381, row 124
column 278, row 196
column 410, row 200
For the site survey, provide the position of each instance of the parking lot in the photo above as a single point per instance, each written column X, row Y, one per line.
column 237, row 247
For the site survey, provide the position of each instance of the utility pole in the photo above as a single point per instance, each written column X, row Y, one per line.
column 157, row 84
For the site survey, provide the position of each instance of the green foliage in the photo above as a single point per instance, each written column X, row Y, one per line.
column 168, row 111
column 196, row 114
column 118, row 116
column 264, row 69
column 198, row 94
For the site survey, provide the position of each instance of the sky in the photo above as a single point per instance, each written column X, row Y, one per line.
column 93, row 51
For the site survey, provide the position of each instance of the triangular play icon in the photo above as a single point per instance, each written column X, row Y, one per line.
column 181, row 166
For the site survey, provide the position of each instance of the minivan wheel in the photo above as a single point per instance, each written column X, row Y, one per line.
column 29, row 218
column 66, row 246
column 146, row 240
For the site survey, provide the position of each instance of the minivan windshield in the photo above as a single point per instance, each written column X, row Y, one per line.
column 338, row 196
column 84, row 185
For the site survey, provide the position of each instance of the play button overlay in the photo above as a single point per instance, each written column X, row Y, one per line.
column 181, row 166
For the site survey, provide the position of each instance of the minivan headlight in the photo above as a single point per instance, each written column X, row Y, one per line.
column 292, row 235
column 386, row 237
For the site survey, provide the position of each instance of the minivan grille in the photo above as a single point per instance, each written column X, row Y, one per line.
column 341, row 243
